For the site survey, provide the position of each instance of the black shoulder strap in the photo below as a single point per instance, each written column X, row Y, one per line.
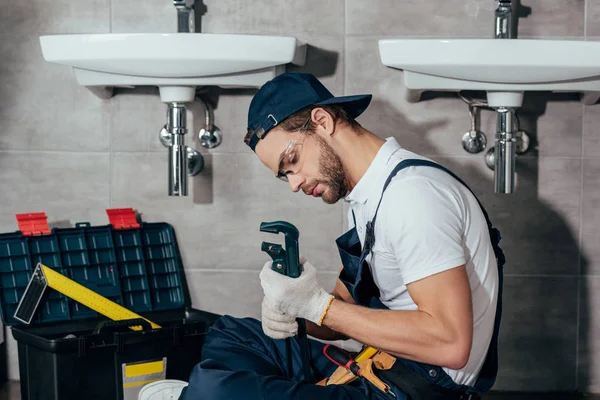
column 495, row 234
column 417, row 162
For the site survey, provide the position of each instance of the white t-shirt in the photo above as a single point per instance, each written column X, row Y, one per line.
column 427, row 223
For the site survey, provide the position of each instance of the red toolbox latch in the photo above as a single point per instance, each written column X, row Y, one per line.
column 122, row 218
column 33, row 224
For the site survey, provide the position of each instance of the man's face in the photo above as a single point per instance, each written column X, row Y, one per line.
column 306, row 161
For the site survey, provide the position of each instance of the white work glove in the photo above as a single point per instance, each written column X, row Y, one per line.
column 301, row 297
column 276, row 324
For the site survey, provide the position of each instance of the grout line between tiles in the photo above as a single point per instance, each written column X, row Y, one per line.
column 244, row 270
column 110, row 15
column 541, row 276
column 110, row 181
column 242, row 153
column 111, row 107
column 591, row 157
column 408, row 35
column 531, row 157
column 580, row 243
column 211, row 153
column 577, row 331
column 229, row 270
column 585, row 19
column 345, row 69
column 345, row 49
column 345, row 25
column 70, row 151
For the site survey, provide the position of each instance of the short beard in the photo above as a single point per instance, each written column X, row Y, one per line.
column 332, row 171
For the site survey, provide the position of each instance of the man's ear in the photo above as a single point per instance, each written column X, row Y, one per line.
column 325, row 125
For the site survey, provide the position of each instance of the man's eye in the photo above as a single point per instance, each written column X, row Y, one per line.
column 290, row 159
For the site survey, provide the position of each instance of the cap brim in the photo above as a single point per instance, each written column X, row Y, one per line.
column 354, row 105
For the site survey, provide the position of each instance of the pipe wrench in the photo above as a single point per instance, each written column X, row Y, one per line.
column 287, row 262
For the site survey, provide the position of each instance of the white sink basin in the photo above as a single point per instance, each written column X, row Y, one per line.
column 175, row 62
column 505, row 68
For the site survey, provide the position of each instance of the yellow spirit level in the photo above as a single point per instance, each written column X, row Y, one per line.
column 44, row 277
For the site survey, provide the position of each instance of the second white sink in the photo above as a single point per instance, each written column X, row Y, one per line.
column 505, row 68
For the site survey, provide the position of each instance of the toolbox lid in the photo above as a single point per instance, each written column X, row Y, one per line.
column 136, row 265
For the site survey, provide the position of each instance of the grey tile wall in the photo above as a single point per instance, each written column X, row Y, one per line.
column 563, row 18
column 318, row 17
column 69, row 186
column 46, row 114
column 65, row 152
column 60, row 16
column 590, row 217
column 592, row 18
column 560, row 127
column 591, row 132
column 129, row 16
column 413, row 17
column 589, row 334
column 539, row 334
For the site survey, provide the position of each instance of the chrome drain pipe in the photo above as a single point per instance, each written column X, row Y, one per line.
column 178, row 168
column 505, row 150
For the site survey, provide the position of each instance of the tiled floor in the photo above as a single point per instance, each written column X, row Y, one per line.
column 11, row 392
column 518, row 396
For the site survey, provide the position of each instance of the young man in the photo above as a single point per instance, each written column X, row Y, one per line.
column 422, row 270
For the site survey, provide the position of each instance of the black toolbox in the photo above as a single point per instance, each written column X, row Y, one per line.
column 71, row 352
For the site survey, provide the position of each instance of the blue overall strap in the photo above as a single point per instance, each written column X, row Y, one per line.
column 487, row 375
column 494, row 233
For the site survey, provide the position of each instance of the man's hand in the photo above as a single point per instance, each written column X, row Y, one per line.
column 276, row 324
column 301, row 297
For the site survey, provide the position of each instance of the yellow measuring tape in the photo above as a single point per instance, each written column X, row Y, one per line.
column 367, row 353
column 44, row 277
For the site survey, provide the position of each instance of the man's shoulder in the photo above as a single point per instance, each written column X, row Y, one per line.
column 423, row 183
column 420, row 193
column 426, row 173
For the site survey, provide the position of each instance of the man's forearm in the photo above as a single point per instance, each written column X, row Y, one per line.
column 414, row 335
column 323, row 332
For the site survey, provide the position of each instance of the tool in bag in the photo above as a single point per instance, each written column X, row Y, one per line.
column 362, row 366
column 373, row 364
column 287, row 262
column 44, row 277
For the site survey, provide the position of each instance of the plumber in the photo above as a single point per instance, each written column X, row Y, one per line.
column 422, row 270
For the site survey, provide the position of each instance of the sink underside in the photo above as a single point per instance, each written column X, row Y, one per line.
column 175, row 62
column 505, row 68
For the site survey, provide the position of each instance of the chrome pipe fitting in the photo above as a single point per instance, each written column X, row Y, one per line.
column 177, row 127
column 210, row 136
column 474, row 141
column 505, row 151
column 503, row 20
column 184, row 161
column 186, row 19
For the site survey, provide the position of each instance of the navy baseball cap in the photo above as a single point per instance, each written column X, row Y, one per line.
column 290, row 92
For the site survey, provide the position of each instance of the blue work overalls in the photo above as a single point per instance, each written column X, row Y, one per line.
column 357, row 278
column 240, row 362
